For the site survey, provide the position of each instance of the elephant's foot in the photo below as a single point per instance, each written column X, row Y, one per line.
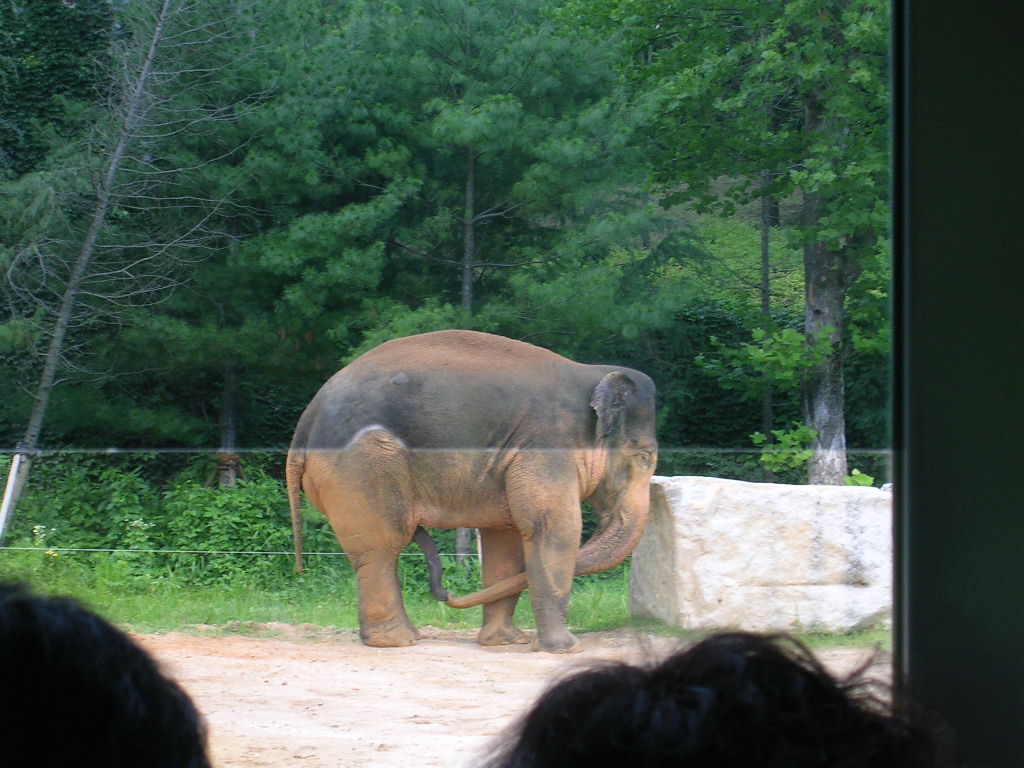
column 389, row 636
column 502, row 634
column 563, row 641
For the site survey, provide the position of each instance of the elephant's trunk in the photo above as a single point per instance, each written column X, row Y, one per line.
column 618, row 531
column 513, row 585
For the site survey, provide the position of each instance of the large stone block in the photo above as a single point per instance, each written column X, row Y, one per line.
column 725, row 554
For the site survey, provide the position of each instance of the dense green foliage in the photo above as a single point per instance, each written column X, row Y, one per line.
column 583, row 176
column 388, row 140
column 49, row 52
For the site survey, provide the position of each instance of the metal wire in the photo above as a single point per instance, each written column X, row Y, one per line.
column 201, row 551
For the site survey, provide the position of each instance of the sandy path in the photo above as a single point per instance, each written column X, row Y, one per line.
column 312, row 698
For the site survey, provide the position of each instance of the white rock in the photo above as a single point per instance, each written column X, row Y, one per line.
column 725, row 554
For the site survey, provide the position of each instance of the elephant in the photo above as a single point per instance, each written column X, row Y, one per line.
column 466, row 429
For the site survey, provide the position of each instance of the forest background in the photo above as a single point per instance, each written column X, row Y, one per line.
column 206, row 208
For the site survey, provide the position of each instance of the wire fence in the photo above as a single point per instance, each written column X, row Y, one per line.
column 206, row 551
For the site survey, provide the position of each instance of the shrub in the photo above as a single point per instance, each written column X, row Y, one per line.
column 87, row 502
column 81, row 501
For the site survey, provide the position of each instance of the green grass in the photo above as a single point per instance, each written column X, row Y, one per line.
column 871, row 638
column 146, row 601
column 155, row 600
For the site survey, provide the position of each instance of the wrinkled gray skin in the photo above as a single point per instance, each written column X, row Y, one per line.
column 465, row 429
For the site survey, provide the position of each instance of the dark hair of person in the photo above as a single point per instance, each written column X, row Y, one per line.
column 76, row 691
column 733, row 699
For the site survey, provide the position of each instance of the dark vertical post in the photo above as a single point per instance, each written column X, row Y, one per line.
column 960, row 366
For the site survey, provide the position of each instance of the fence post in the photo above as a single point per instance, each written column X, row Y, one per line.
column 9, row 490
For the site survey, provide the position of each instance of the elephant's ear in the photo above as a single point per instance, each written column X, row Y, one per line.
column 608, row 401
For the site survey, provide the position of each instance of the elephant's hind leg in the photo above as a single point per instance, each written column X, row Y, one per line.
column 383, row 622
column 366, row 501
column 502, row 557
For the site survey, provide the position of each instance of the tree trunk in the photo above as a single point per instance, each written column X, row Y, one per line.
column 55, row 349
column 465, row 548
column 825, row 283
column 828, row 274
column 766, row 312
column 228, row 467
column 464, row 536
column 469, row 233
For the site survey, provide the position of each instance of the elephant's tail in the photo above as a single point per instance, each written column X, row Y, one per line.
column 295, row 466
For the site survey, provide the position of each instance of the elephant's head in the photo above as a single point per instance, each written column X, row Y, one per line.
column 628, row 449
column 620, row 457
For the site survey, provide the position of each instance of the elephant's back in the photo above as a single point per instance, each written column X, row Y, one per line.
column 457, row 350
column 448, row 389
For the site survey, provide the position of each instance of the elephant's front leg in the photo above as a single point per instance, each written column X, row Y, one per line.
column 382, row 619
column 550, row 545
column 502, row 557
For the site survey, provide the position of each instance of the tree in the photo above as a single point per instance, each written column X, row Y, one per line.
column 502, row 130
column 501, row 125
column 782, row 98
column 113, row 226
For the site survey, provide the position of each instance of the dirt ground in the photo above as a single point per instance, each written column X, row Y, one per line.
column 282, row 695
